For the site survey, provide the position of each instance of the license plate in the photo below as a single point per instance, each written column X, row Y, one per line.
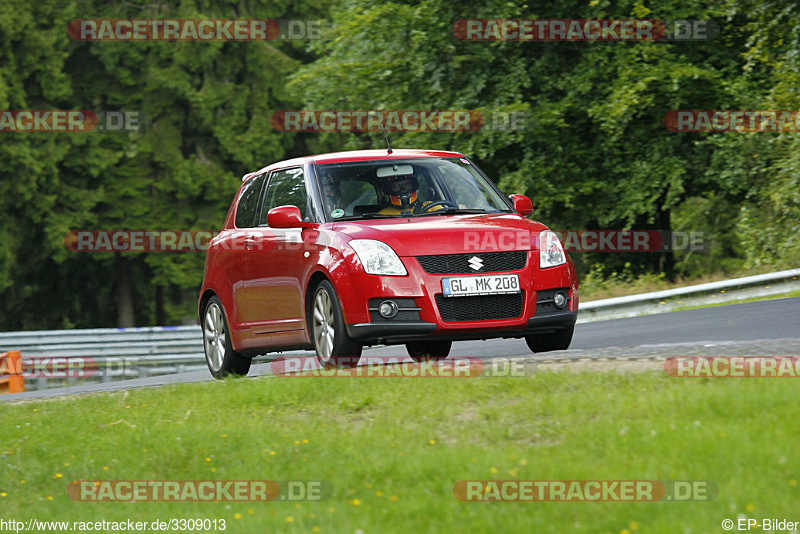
column 480, row 285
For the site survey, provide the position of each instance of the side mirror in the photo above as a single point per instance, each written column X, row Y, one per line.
column 522, row 204
column 287, row 217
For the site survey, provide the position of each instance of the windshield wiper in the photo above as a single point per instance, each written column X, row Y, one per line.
column 452, row 211
column 369, row 216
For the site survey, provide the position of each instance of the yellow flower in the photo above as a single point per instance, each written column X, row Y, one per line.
column 36, row 409
column 289, row 519
column 208, row 459
column 58, row 475
column 432, row 441
column 272, row 453
column 251, row 511
column 297, row 442
column 394, row 498
column 750, row 507
column 523, row 462
column 624, row 531
column 237, row 515
column 315, row 529
column 331, row 509
column 356, row 502
column 49, row 498
column 213, row 469
column 105, row 468
column 793, row 482
column 512, row 472
column 4, row 494
column 305, row 441
column 224, row 435
column 634, row 525
column 379, row 494
column 493, row 470
column 22, row 482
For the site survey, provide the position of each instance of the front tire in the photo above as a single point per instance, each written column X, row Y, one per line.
column 222, row 360
column 546, row 342
column 333, row 346
column 421, row 351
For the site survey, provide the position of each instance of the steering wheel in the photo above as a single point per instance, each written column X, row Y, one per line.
column 427, row 207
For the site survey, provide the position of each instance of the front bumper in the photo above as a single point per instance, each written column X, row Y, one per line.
column 393, row 333
column 423, row 319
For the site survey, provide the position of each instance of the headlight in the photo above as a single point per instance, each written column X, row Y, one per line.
column 377, row 257
column 551, row 253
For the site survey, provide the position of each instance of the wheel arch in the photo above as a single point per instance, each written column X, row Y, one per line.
column 313, row 281
column 204, row 298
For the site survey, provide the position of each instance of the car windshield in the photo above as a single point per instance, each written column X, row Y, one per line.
column 413, row 187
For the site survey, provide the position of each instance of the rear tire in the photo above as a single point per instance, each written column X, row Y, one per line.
column 421, row 351
column 222, row 360
column 546, row 342
column 333, row 346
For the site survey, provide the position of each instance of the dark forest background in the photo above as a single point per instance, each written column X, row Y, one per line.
column 597, row 156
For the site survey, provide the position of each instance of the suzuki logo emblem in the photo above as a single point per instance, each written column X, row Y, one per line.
column 476, row 263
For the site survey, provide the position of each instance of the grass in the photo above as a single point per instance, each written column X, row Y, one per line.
column 392, row 450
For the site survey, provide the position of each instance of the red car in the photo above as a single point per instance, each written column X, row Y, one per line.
column 416, row 247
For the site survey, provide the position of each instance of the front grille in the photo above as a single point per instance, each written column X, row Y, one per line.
column 480, row 308
column 493, row 262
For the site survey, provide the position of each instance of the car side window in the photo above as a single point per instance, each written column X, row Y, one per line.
column 248, row 202
column 286, row 187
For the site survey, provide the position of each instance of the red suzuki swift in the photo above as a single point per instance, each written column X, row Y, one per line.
column 416, row 247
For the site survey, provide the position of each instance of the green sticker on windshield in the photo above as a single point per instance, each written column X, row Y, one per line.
column 337, row 213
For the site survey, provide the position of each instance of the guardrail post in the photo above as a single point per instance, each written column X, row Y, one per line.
column 11, row 378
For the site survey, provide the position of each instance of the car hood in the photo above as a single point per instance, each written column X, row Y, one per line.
column 448, row 234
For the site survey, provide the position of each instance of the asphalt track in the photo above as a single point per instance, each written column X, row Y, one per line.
column 766, row 328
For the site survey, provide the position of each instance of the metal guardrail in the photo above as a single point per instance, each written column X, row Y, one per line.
column 697, row 295
column 55, row 358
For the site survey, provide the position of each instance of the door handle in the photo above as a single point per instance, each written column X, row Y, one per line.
column 250, row 241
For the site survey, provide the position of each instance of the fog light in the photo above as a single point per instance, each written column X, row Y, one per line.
column 560, row 299
column 387, row 309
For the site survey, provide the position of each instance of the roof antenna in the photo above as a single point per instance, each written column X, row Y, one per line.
column 388, row 145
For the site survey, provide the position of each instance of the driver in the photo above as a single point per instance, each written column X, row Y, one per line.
column 401, row 192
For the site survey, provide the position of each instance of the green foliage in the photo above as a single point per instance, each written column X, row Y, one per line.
column 393, row 471
column 596, row 156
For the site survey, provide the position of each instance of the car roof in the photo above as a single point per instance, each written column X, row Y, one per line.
column 357, row 155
